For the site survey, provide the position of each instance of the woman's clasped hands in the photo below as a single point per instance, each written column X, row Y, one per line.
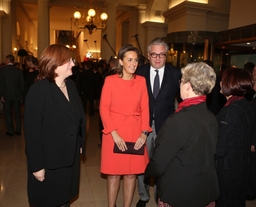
column 121, row 143
column 140, row 141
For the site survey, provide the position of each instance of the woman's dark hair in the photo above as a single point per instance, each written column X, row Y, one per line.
column 121, row 54
column 236, row 82
column 53, row 56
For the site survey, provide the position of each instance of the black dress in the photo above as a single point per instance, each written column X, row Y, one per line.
column 61, row 182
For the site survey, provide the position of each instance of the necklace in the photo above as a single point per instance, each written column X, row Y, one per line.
column 62, row 86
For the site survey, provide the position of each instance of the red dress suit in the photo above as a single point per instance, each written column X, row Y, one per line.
column 124, row 108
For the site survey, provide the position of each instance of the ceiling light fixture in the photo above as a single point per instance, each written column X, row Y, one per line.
column 90, row 22
column 72, row 40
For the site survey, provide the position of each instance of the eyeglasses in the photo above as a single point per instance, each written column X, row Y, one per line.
column 161, row 55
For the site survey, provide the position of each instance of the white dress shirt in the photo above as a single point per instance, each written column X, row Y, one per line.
column 153, row 74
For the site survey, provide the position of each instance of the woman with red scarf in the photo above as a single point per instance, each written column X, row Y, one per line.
column 236, row 125
column 183, row 159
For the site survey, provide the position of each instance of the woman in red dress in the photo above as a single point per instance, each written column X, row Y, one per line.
column 124, row 112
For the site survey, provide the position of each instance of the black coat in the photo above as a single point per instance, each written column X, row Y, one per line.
column 54, row 131
column 253, row 104
column 183, row 159
column 163, row 105
column 233, row 152
column 236, row 128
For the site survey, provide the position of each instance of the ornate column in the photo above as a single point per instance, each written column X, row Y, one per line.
column 6, row 29
column 153, row 30
column 2, row 16
column 43, row 26
column 106, row 51
column 141, row 32
column 14, row 28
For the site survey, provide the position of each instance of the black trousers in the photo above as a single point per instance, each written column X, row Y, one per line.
column 9, row 107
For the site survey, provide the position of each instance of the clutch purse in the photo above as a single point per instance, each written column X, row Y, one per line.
column 130, row 149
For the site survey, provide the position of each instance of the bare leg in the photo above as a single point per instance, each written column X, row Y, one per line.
column 129, row 187
column 113, row 183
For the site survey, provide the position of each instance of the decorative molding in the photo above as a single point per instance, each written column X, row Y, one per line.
column 154, row 25
column 186, row 7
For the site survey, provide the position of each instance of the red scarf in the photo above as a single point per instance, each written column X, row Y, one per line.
column 232, row 99
column 191, row 101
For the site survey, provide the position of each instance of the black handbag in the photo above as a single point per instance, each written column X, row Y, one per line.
column 130, row 149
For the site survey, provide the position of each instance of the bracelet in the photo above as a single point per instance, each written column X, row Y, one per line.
column 145, row 132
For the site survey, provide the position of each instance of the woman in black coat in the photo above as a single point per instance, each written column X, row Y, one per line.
column 183, row 159
column 54, row 131
column 236, row 125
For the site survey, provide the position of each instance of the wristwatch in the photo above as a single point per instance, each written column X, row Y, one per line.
column 145, row 132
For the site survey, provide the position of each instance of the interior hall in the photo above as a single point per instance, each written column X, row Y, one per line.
column 222, row 31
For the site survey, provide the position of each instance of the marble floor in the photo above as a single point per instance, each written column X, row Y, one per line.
column 92, row 184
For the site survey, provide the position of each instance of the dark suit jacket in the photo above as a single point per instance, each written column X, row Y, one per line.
column 51, row 136
column 183, row 159
column 11, row 83
column 163, row 105
column 110, row 72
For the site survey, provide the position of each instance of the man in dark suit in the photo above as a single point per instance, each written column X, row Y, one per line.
column 11, row 93
column 163, row 85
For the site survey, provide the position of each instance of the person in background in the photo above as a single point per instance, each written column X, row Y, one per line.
column 236, row 128
column 11, row 93
column 249, row 66
column 86, row 87
column 183, row 160
column 162, row 81
column 30, row 77
column 124, row 112
column 17, row 65
column 215, row 100
column 54, row 126
column 97, row 84
column 112, row 67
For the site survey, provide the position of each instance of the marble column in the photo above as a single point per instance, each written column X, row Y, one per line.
column 141, row 32
column 14, row 38
column 6, row 29
column 43, row 26
column 110, row 31
column 153, row 30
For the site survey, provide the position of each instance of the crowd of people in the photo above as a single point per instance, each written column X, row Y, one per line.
column 200, row 153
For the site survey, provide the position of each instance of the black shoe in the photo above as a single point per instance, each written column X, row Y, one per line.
column 9, row 134
column 17, row 133
column 141, row 203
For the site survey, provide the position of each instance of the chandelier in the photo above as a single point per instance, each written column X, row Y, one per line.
column 90, row 23
column 71, row 38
